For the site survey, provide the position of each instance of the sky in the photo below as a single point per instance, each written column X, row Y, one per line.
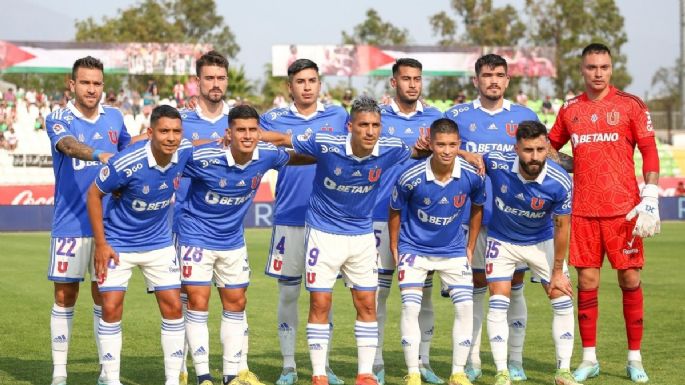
column 652, row 28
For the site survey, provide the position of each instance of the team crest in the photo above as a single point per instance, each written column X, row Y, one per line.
column 308, row 131
column 58, row 128
column 511, row 129
column 594, row 118
column 68, row 118
column 537, row 203
column 146, row 189
column 391, row 130
column 81, row 138
column 426, row 201
column 222, row 182
column 327, row 128
column 503, row 189
column 374, row 174
column 337, row 171
column 255, row 181
column 104, row 173
column 459, row 200
column 177, row 181
column 289, row 131
column 472, row 127
column 187, row 271
column 195, row 136
column 113, row 136
column 424, row 131
column 613, row 118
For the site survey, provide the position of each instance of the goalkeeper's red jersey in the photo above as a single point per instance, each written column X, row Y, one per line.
column 603, row 134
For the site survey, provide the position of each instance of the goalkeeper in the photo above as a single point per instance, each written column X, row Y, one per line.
column 610, row 216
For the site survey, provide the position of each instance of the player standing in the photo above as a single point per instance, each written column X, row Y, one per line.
column 211, row 241
column 83, row 135
column 207, row 120
column 610, row 215
column 306, row 115
column 135, row 232
column 489, row 124
column 408, row 119
column 428, row 202
column 530, row 224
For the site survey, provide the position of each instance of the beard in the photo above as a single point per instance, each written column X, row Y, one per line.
column 526, row 167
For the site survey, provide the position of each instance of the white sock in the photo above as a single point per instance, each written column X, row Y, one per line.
column 589, row 354
column 173, row 340
column 197, row 337
column 426, row 321
column 60, row 330
column 232, row 334
column 186, row 347
column 563, row 327
column 242, row 365
column 478, row 312
column 462, row 329
column 498, row 330
column 382, row 294
column 409, row 328
column 366, row 334
column 288, row 294
column 330, row 336
column 517, row 317
column 109, row 335
column 97, row 315
column 317, row 339
column 634, row 355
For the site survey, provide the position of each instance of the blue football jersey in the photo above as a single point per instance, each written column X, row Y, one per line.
column 74, row 176
column 220, row 194
column 482, row 131
column 432, row 211
column 522, row 213
column 137, row 220
column 345, row 186
column 408, row 128
column 196, row 126
column 294, row 184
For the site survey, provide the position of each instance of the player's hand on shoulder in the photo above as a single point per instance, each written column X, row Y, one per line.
column 192, row 102
column 103, row 157
column 475, row 160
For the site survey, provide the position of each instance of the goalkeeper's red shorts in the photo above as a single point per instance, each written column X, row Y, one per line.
column 592, row 238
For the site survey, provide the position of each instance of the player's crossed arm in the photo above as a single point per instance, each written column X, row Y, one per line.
column 72, row 148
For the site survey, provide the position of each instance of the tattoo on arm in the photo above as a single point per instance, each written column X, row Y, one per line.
column 75, row 149
column 564, row 160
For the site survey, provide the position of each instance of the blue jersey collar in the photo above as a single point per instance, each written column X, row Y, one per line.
column 506, row 105
column 539, row 179
column 430, row 177
column 348, row 148
column 396, row 109
column 152, row 162
column 79, row 115
column 319, row 108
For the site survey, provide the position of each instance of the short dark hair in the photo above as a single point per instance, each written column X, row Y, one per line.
column 243, row 111
column 406, row 62
column 364, row 104
column 163, row 111
column 86, row 62
column 301, row 65
column 530, row 129
column 595, row 48
column 443, row 126
column 211, row 58
column 491, row 60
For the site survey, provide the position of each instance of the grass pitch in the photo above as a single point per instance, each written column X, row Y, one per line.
column 27, row 298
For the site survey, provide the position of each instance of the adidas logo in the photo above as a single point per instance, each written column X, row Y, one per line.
column 444, row 201
column 408, row 131
column 238, row 355
column 520, row 196
column 284, row 327
column 177, row 354
column 465, row 343
column 315, row 347
column 517, row 325
column 566, row 336
column 429, row 332
column 163, row 186
column 200, row 351
column 60, row 339
column 241, row 183
column 583, row 317
column 108, row 357
column 405, row 342
column 97, row 136
column 357, row 173
column 497, row 339
column 492, row 127
column 215, row 135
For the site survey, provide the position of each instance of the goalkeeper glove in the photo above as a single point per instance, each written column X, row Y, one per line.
column 647, row 212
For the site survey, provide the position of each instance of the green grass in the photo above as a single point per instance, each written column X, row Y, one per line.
column 27, row 298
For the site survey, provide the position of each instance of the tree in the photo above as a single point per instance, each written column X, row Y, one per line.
column 238, row 83
column 162, row 21
column 272, row 87
column 570, row 25
column 445, row 27
column 375, row 31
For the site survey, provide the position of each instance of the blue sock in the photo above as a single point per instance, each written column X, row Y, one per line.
column 228, row 379
column 204, row 377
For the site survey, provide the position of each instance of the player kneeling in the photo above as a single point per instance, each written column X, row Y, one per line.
column 432, row 195
column 135, row 232
column 530, row 223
